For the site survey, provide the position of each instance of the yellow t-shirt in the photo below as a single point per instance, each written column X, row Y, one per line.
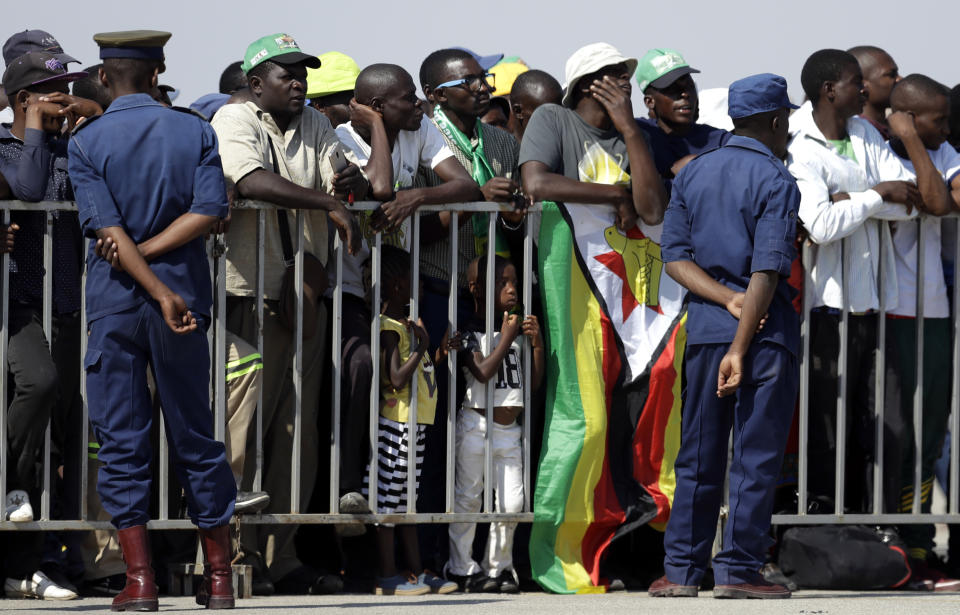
column 395, row 404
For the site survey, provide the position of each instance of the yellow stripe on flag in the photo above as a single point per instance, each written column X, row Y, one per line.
column 588, row 349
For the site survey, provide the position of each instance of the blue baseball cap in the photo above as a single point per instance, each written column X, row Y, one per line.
column 757, row 94
column 485, row 62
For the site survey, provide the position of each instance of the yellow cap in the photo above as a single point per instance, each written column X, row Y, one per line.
column 337, row 73
column 506, row 73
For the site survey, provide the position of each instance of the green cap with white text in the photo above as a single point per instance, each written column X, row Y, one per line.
column 660, row 68
column 280, row 48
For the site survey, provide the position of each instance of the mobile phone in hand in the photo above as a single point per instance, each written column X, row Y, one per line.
column 338, row 161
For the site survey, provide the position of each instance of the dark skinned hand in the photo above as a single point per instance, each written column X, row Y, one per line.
column 75, row 109
column 389, row 215
column 7, row 238
column 347, row 228
column 626, row 213
column 176, row 314
column 904, row 193
column 348, row 181
column 363, row 115
column 616, row 101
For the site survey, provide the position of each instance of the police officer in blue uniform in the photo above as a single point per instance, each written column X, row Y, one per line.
column 728, row 238
column 149, row 180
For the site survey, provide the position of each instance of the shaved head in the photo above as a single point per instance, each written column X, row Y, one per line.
column 915, row 91
column 377, row 79
column 867, row 56
column 537, row 85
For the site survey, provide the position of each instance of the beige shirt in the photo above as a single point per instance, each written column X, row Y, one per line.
column 303, row 158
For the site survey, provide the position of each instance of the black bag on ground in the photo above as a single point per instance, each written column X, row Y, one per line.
column 842, row 557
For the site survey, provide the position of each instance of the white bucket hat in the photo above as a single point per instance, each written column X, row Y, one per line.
column 589, row 59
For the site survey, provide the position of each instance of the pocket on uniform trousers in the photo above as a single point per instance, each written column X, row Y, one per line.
column 91, row 360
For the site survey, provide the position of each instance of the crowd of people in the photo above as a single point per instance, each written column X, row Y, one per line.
column 865, row 157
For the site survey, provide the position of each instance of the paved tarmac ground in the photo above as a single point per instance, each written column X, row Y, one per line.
column 803, row 603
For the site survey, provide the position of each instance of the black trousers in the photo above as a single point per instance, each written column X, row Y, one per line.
column 860, row 416
column 45, row 386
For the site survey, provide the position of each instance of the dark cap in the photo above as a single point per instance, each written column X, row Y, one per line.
column 35, row 68
column 757, row 94
column 136, row 44
column 34, row 40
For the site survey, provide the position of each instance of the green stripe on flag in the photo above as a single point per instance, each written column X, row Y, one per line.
column 565, row 425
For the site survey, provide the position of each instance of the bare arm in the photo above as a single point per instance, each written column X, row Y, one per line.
column 649, row 196
column 379, row 167
column 175, row 312
column 181, row 231
column 401, row 372
column 542, row 185
column 936, row 196
column 485, row 368
column 760, row 291
column 531, row 328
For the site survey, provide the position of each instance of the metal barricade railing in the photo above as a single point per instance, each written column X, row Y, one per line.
column 296, row 514
column 217, row 347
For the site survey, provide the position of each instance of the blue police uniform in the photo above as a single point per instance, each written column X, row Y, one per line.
column 733, row 212
column 141, row 166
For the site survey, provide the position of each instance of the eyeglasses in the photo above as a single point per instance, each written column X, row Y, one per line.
column 473, row 82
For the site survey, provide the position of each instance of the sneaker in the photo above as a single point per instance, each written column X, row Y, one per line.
column 470, row 584
column 249, row 502
column 399, row 585
column 507, row 583
column 436, row 584
column 926, row 578
column 38, row 586
column 18, row 507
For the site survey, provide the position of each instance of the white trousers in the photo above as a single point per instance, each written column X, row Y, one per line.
column 507, row 455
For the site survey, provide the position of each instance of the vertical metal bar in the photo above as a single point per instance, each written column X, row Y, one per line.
column 528, row 273
column 452, row 409
column 4, row 335
column 879, row 405
column 48, row 334
column 220, row 344
column 375, row 267
column 954, row 495
column 918, row 388
column 487, row 349
column 412, row 415
column 804, row 422
column 85, row 428
column 841, row 452
column 261, row 235
column 295, row 454
column 336, row 354
column 164, row 472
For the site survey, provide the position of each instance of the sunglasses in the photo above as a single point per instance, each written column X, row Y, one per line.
column 473, row 82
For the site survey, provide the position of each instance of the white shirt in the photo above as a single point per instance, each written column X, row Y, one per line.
column 508, row 384
column 935, row 304
column 821, row 171
column 412, row 149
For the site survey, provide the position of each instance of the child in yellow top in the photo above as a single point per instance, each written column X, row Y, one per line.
column 403, row 357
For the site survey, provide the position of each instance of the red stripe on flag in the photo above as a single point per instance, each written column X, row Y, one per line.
column 607, row 512
column 648, row 439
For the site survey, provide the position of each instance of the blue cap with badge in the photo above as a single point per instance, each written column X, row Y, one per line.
column 757, row 94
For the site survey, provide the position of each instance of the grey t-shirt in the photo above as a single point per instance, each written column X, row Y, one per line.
column 559, row 138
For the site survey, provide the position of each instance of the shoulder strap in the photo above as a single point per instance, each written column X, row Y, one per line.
column 282, row 222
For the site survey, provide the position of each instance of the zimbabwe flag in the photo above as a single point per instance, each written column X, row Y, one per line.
column 615, row 343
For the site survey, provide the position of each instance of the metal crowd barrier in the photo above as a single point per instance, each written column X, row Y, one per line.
column 217, row 335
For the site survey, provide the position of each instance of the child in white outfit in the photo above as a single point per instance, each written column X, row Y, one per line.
column 504, row 365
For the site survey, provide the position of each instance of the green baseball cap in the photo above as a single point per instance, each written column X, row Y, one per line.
column 660, row 68
column 280, row 48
